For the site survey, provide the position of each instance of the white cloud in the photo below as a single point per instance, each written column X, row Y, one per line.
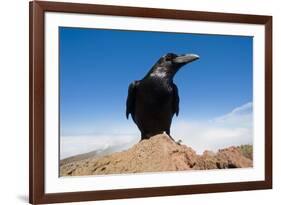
column 233, row 128
column 241, row 116
column 74, row 145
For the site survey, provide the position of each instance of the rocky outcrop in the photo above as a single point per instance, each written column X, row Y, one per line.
column 156, row 154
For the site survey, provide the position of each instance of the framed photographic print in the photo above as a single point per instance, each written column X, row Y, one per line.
column 139, row 102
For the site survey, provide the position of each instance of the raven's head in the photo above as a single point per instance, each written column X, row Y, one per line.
column 170, row 63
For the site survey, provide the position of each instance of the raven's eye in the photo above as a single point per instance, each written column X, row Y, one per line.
column 169, row 58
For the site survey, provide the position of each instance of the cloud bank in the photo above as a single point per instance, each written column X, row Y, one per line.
column 74, row 145
column 233, row 128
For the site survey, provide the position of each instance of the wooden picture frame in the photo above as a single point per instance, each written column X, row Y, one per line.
column 37, row 194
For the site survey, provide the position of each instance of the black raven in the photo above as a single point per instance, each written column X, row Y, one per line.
column 153, row 100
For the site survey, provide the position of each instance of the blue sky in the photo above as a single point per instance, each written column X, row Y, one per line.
column 96, row 67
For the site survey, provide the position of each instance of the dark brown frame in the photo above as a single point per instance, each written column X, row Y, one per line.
column 37, row 95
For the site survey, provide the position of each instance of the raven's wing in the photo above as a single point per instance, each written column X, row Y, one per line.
column 176, row 100
column 131, row 99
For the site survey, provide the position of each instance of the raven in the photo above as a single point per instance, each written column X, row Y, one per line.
column 153, row 100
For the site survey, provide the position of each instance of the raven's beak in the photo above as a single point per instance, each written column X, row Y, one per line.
column 184, row 59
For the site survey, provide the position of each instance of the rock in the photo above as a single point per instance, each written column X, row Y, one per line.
column 232, row 158
column 157, row 154
column 206, row 161
column 247, row 151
